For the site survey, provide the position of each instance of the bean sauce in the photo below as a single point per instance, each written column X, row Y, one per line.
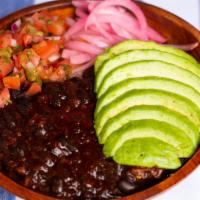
column 48, row 144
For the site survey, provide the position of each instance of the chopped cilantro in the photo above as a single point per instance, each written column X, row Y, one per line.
column 39, row 33
column 49, row 21
column 6, row 59
column 19, row 46
column 65, row 67
column 20, row 74
column 41, row 18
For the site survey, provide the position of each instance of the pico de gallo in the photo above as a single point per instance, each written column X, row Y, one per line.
column 30, row 52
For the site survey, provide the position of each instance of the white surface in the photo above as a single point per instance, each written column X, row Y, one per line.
column 186, row 9
column 189, row 189
column 185, row 190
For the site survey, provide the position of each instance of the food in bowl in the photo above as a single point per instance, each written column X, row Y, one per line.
column 138, row 91
column 48, row 142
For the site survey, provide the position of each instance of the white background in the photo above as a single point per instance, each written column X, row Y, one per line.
column 189, row 189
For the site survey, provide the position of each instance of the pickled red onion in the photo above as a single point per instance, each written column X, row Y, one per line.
column 100, row 25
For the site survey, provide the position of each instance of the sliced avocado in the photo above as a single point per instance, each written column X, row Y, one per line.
column 147, row 83
column 148, row 97
column 137, row 44
column 100, row 60
column 147, row 152
column 150, row 128
column 149, row 68
column 148, row 54
column 158, row 113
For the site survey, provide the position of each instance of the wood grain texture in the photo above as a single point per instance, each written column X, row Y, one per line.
column 176, row 31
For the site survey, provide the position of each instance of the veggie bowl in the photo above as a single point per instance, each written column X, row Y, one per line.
column 48, row 146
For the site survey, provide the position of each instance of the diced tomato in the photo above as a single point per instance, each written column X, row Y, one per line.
column 22, row 37
column 57, row 27
column 40, row 20
column 34, row 89
column 6, row 66
column 29, row 34
column 17, row 61
column 59, row 74
column 37, row 38
column 19, row 38
column 5, row 40
column 12, row 82
column 4, row 97
column 45, row 49
column 22, row 76
column 63, row 13
column 27, row 39
column 44, row 73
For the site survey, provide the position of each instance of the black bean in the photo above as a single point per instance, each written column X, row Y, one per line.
column 127, row 187
column 57, row 185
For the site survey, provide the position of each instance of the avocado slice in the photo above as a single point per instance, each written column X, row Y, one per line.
column 158, row 113
column 137, row 44
column 100, row 60
column 148, row 97
column 150, row 128
column 148, row 68
column 147, row 152
column 147, row 54
column 147, row 83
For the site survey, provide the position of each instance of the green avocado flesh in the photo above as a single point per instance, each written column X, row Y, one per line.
column 148, row 68
column 136, row 44
column 158, row 113
column 150, row 128
column 147, row 152
column 148, row 97
column 147, row 83
column 148, row 104
column 139, row 55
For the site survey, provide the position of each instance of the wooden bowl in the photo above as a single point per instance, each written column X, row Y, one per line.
column 176, row 31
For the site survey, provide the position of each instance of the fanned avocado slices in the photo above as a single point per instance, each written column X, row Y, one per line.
column 148, row 68
column 148, row 104
column 158, row 113
column 164, row 84
column 150, row 128
column 139, row 55
column 136, row 44
column 148, row 97
column 147, row 152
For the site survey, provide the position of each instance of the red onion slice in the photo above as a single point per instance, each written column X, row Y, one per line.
column 128, row 4
column 16, row 25
column 67, row 53
column 77, row 71
column 84, row 47
column 80, row 58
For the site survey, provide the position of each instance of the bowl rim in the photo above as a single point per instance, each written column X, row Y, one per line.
column 176, row 177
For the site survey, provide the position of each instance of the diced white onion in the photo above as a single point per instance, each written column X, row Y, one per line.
column 54, row 57
column 13, row 42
